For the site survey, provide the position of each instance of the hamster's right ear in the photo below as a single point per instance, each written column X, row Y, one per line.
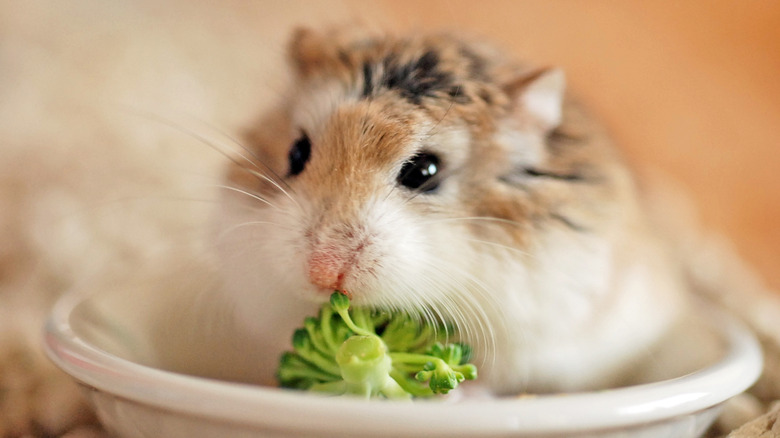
column 540, row 94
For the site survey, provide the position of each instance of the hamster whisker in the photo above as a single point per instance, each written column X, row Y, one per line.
column 262, row 176
column 469, row 290
column 408, row 299
column 392, row 190
column 487, row 219
column 459, row 318
column 277, row 180
column 500, row 245
column 434, row 317
column 431, row 315
column 475, row 293
column 249, row 194
column 233, row 228
column 259, row 174
column 247, row 156
column 437, row 316
column 559, row 272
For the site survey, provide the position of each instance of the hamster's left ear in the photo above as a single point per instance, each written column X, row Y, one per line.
column 540, row 95
column 315, row 52
column 307, row 51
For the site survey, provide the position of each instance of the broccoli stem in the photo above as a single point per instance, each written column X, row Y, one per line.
column 316, row 336
column 414, row 358
column 320, row 361
column 338, row 387
column 442, row 376
column 293, row 367
column 306, row 373
column 394, row 390
column 340, row 304
column 413, row 387
column 362, row 319
column 326, row 326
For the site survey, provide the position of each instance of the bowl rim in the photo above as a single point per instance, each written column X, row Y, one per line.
column 267, row 407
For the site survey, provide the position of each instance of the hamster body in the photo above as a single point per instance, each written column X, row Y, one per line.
column 428, row 172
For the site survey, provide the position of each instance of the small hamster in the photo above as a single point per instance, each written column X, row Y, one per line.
column 428, row 172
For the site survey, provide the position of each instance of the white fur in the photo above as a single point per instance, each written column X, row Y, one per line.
column 581, row 316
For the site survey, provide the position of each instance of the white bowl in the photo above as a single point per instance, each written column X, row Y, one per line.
column 136, row 358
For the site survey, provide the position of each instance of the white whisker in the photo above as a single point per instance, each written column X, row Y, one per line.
column 244, row 153
column 254, row 158
column 499, row 245
column 233, row 228
column 278, row 186
column 488, row 219
column 463, row 301
column 251, row 195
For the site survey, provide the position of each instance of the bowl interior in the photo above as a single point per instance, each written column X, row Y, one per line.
column 180, row 351
column 177, row 327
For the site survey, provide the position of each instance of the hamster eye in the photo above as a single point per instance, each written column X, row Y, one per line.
column 418, row 173
column 299, row 155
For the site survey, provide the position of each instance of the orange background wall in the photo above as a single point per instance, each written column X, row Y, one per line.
column 691, row 87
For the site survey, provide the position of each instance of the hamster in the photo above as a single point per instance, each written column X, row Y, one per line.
column 431, row 173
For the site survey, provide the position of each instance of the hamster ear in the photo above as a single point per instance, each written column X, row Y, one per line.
column 307, row 51
column 314, row 52
column 540, row 94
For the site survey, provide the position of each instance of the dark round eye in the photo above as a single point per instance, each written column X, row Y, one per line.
column 299, row 155
column 418, row 173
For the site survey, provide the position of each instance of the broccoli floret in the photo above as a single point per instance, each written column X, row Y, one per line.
column 371, row 353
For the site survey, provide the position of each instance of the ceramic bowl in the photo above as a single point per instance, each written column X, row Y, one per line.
column 150, row 373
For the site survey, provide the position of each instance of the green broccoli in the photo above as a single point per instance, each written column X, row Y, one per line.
column 372, row 353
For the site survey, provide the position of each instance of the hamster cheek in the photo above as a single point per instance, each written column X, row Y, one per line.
column 423, row 263
column 260, row 257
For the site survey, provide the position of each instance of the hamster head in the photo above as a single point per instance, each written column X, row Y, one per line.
column 422, row 172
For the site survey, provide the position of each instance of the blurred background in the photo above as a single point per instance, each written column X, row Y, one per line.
column 90, row 164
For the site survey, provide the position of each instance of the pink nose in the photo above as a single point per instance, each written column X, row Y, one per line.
column 326, row 270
